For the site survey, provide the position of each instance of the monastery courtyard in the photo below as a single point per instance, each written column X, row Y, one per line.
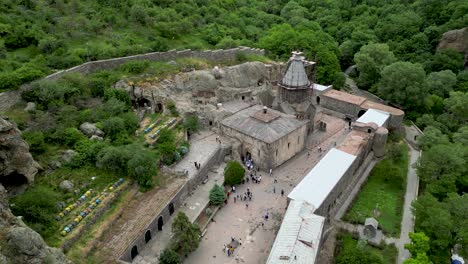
column 237, row 221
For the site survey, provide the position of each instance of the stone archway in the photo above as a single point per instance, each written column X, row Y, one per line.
column 134, row 252
column 147, row 236
column 160, row 223
column 171, row 208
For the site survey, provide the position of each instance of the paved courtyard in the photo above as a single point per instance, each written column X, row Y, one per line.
column 237, row 221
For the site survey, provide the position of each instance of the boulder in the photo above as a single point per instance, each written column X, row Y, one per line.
column 30, row 107
column 217, row 72
column 94, row 137
column 17, row 166
column 90, row 129
column 66, row 185
column 68, row 155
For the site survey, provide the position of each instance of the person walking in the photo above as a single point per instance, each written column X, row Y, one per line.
column 271, row 172
column 282, row 192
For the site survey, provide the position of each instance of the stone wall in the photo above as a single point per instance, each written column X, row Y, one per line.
column 289, row 145
column 343, row 107
column 176, row 201
column 213, row 55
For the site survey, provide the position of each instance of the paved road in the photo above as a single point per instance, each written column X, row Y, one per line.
column 407, row 223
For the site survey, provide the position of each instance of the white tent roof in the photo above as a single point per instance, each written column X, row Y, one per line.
column 321, row 88
column 376, row 116
column 321, row 180
column 299, row 236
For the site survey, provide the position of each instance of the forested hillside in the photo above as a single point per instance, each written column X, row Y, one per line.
column 392, row 43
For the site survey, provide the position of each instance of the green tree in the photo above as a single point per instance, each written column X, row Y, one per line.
column 461, row 136
column 403, row 83
column 457, row 105
column 447, row 59
column 186, row 236
column 233, row 173
column 217, row 195
column 440, row 167
column 462, row 82
column 143, row 167
column 419, row 244
column 169, row 256
column 370, row 61
column 114, row 159
column 441, row 83
column 191, row 123
column 432, row 136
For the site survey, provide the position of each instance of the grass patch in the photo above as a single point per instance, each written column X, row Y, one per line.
column 347, row 245
column 82, row 247
column 384, row 191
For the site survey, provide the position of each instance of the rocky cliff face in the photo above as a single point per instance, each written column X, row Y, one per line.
column 19, row 243
column 457, row 40
column 199, row 91
column 17, row 167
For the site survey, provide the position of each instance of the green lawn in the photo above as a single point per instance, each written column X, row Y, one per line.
column 347, row 245
column 384, row 191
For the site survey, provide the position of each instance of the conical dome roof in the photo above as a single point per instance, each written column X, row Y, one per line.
column 295, row 74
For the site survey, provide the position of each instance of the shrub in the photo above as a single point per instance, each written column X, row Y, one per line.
column 113, row 127
column 172, row 107
column 208, row 211
column 114, row 159
column 71, row 136
column 115, row 106
column 191, row 123
column 142, row 167
column 233, row 173
column 169, row 256
column 167, row 150
column 217, row 195
column 166, row 136
column 35, row 140
column 120, row 95
column 37, row 207
column 135, row 67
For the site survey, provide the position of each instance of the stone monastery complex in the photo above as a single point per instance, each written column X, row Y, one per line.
column 268, row 113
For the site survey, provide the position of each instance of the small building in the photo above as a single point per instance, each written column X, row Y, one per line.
column 370, row 227
column 266, row 136
column 298, row 240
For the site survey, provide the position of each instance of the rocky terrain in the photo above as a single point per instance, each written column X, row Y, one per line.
column 457, row 40
column 199, row 91
column 17, row 166
column 19, row 243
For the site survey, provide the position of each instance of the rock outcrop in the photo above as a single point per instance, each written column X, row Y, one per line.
column 17, row 166
column 199, row 91
column 457, row 40
column 91, row 130
column 19, row 243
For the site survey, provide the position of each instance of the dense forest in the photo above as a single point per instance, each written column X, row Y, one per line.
column 392, row 43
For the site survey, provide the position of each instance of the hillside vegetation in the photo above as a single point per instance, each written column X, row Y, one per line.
column 392, row 43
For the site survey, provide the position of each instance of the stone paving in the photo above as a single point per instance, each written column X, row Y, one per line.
column 238, row 221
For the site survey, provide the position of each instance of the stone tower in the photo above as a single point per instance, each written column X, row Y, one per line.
column 295, row 86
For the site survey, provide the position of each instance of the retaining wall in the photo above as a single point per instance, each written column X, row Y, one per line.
column 213, row 55
column 176, row 201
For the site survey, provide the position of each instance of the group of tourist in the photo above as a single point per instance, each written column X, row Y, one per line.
column 229, row 248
